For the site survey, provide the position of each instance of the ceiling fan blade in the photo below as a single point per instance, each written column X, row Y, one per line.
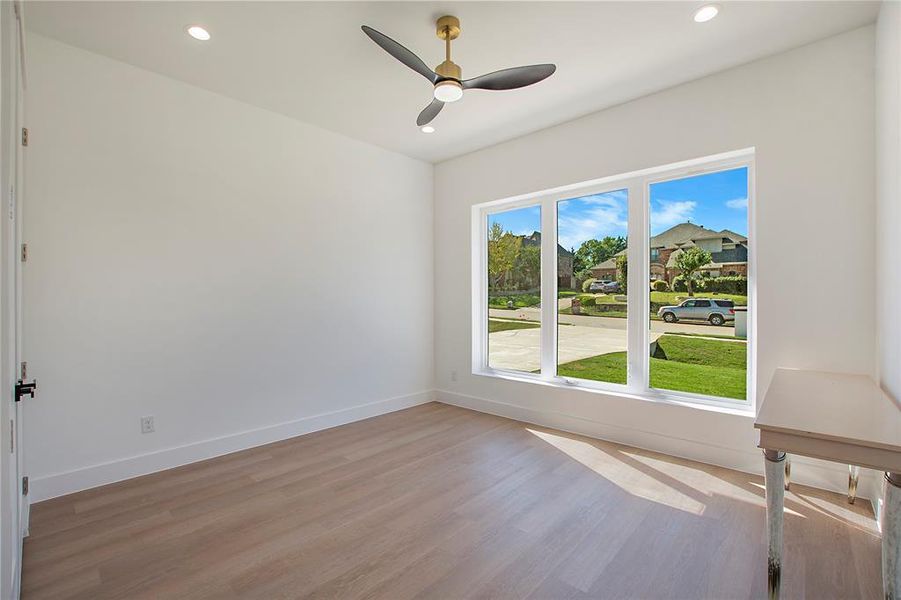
column 400, row 53
column 429, row 112
column 510, row 79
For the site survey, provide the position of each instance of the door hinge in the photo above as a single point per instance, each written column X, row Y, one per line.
column 25, row 486
column 24, row 136
column 24, row 252
column 23, row 370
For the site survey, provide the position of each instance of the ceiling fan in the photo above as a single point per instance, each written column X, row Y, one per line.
column 448, row 76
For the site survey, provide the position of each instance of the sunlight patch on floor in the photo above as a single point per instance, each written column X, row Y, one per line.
column 631, row 480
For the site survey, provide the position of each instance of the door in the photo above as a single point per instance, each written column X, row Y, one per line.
column 13, row 502
column 701, row 310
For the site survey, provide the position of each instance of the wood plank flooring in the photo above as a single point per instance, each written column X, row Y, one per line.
column 441, row 502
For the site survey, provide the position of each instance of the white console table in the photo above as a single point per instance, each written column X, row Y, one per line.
column 838, row 417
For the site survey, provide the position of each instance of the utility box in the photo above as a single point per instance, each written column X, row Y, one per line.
column 741, row 321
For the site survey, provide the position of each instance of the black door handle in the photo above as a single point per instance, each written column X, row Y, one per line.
column 25, row 389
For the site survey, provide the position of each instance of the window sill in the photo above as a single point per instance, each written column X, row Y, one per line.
column 730, row 407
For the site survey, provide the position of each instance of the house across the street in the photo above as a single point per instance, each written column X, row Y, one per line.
column 728, row 251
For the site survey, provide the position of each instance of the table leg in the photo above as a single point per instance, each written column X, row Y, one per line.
column 774, row 471
column 788, row 472
column 891, row 537
column 853, row 478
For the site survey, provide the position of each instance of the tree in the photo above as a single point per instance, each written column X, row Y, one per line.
column 688, row 261
column 622, row 273
column 579, row 263
column 528, row 266
column 503, row 249
column 593, row 252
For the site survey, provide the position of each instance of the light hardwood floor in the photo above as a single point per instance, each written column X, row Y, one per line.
column 441, row 502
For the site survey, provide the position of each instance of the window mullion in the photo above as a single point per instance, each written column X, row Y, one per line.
column 638, row 296
column 548, row 288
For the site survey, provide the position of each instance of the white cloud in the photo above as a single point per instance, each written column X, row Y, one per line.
column 671, row 212
column 737, row 203
column 594, row 218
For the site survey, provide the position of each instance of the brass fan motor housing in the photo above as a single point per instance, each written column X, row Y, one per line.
column 449, row 70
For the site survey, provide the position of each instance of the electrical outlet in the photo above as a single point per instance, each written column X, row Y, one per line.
column 147, row 425
column 453, row 376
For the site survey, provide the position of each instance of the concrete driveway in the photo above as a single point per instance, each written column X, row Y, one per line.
column 518, row 349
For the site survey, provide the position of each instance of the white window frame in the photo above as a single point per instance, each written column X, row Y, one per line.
column 637, row 184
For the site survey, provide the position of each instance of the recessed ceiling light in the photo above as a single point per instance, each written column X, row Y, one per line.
column 427, row 129
column 706, row 13
column 198, row 33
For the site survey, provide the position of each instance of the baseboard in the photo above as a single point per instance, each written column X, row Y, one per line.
column 60, row 484
column 805, row 471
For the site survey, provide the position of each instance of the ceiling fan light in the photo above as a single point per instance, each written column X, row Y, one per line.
column 448, row 90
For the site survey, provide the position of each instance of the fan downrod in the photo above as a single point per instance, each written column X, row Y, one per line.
column 447, row 28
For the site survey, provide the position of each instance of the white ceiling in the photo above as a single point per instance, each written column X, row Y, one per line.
column 310, row 61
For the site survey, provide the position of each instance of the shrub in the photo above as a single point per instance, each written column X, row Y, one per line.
column 588, row 300
column 730, row 284
column 679, row 284
column 587, row 283
column 660, row 285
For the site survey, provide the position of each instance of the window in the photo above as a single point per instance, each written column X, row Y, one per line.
column 618, row 284
column 700, row 348
column 514, row 289
column 591, row 327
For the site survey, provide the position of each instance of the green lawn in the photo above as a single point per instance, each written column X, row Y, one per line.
column 494, row 325
column 696, row 351
column 519, row 301
column 710, row 367
column 706, row 335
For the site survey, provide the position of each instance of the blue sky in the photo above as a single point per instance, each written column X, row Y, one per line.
column 715, row 200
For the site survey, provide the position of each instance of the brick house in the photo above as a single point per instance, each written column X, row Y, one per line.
column 728, row 251
column 565, row 279
column 605, row 270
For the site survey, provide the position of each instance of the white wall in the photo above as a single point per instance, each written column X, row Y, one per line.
column 239, row 275
column 809, row 113
column 888, row 196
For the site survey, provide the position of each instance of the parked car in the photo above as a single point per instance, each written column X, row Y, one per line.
column 604, row 287
column 714, row 311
